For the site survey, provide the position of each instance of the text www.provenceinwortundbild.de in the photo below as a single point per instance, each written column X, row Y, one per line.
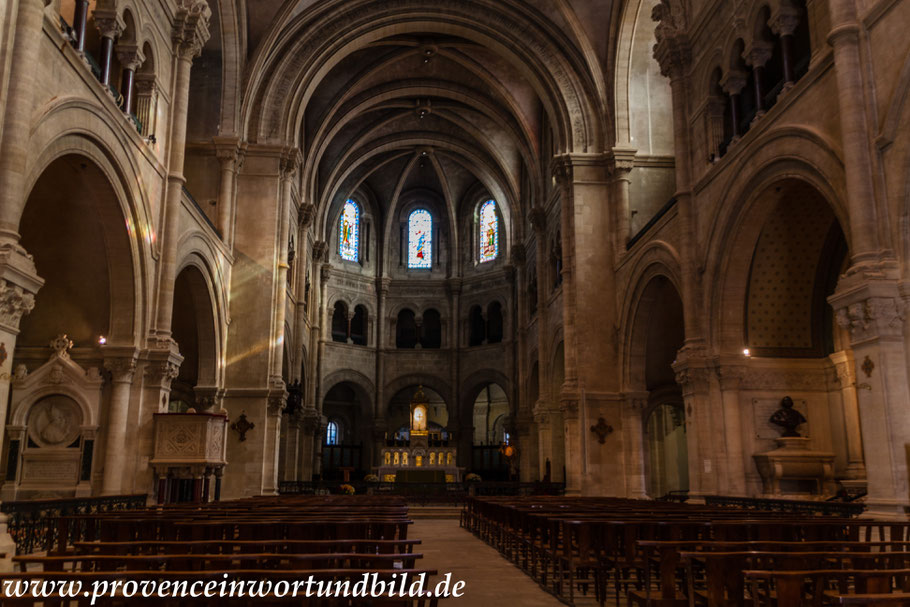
column 369, row 586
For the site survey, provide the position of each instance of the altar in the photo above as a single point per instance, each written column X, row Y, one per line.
column 424, row 457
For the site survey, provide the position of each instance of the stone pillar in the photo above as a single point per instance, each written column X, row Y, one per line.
column 733, row 82
column 873, row 311
column 588, row 392
column 309, row 427
column 855, row 133
column 845, row 369
column 693, row 375
column 381, row 345
column 289, row 164
column 189, row 35
column 540, row 409
column 110, row 25
column 784, row 22
column 634, row 449
column 131, row 57
column 122, row 366
column 20, row 103
column 277, row 400
column 19, row 282
column 544, row 438
column 729, row 422
column 80, row 18
column 146, row 92
column 623, row 163
column 227, row 150
column 757, row 56
column 290, row 444
column 527, row 449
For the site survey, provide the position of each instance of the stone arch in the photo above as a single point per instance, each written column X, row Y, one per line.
column 477, row 381
column 364, row 386
column 195, row 330
column 635, row 65
column 438, row 385
column 562, row 82
column 660, row 261
column 91, row 217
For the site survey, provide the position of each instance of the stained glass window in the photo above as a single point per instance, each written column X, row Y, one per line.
column 489, row 232
column 420, row 239
column 331, row 433
column 349, row 232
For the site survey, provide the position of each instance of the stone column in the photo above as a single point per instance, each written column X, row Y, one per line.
column 845, row 369
column 540, row 409
column 733, row 82
column 634, row 448
column 381, row 345
column 20, row 103
column 277, row 400
column 189, row 35
column 855, row 133
column 623, row 163
column 80, row 18
column 131, row 57
column 589, row 315
column 122, row 366
column 110, row 25
column 757, row 56
column 289, row 164
column 309, row 427
column 873, row 311
column 693, row 375
column 730, row 423
column 146, row 92
column 227, row 150
column 784, row 21
column 544, row 438
column 19, row 282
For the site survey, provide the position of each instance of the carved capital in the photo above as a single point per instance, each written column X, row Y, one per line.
column 145, row 85
column 15, row 302
column 673, row 50
column 307, row 214
column 320, row 251
column 109, row 23
column 121, row 369
column 325, row 273
column 538, row 219
column 541, row 413
column 623, row 160
column 161, row 372
column 130, row 56
column 873, row 318
column 191, row 28
column 758, row 53
column 561, row 170
column 785, row 20
column 290, row 162
column 733, row 82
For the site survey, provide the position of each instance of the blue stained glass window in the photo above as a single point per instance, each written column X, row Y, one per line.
column 420, row 239
column 331, row 433
column 349, row 232
column 489, row 232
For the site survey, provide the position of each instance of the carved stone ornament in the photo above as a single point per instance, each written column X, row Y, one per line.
column 191, row 27
column 673, row 51
column 868, row 367
column 307, row 213
column 602, row 429
column 242, row 426
column 54, row 421
column 61, row 346
column 14, row 304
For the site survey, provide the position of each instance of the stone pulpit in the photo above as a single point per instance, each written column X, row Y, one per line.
column 189, row 449
column 425, row 457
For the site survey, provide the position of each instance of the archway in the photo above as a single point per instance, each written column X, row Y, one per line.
column 73, row 253
column 492, row 421
column 658, row 334
column 194, row 329
column 399, row 413
column 348, row 438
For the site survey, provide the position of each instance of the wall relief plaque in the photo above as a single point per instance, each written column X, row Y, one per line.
column 54, row 421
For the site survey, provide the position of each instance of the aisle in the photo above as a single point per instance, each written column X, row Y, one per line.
column 491, row 580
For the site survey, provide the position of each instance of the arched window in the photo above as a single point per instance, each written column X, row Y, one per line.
column 420, row 239
column 406, row 330
column 478, row 327
column 488, row 235
column 331, row 433
column 494, row 323
column 340, row 322
column 432, row 329
column 359, row 326
column 349, row 232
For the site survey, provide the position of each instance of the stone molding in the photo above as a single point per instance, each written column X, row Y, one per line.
column 191, row 28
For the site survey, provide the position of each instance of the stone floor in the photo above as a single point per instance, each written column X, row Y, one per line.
column 491, row 580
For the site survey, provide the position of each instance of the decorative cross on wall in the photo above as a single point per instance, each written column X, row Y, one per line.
column 242, row 426
column 602, row 430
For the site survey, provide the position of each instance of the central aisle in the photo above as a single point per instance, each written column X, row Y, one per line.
column 490, row 579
